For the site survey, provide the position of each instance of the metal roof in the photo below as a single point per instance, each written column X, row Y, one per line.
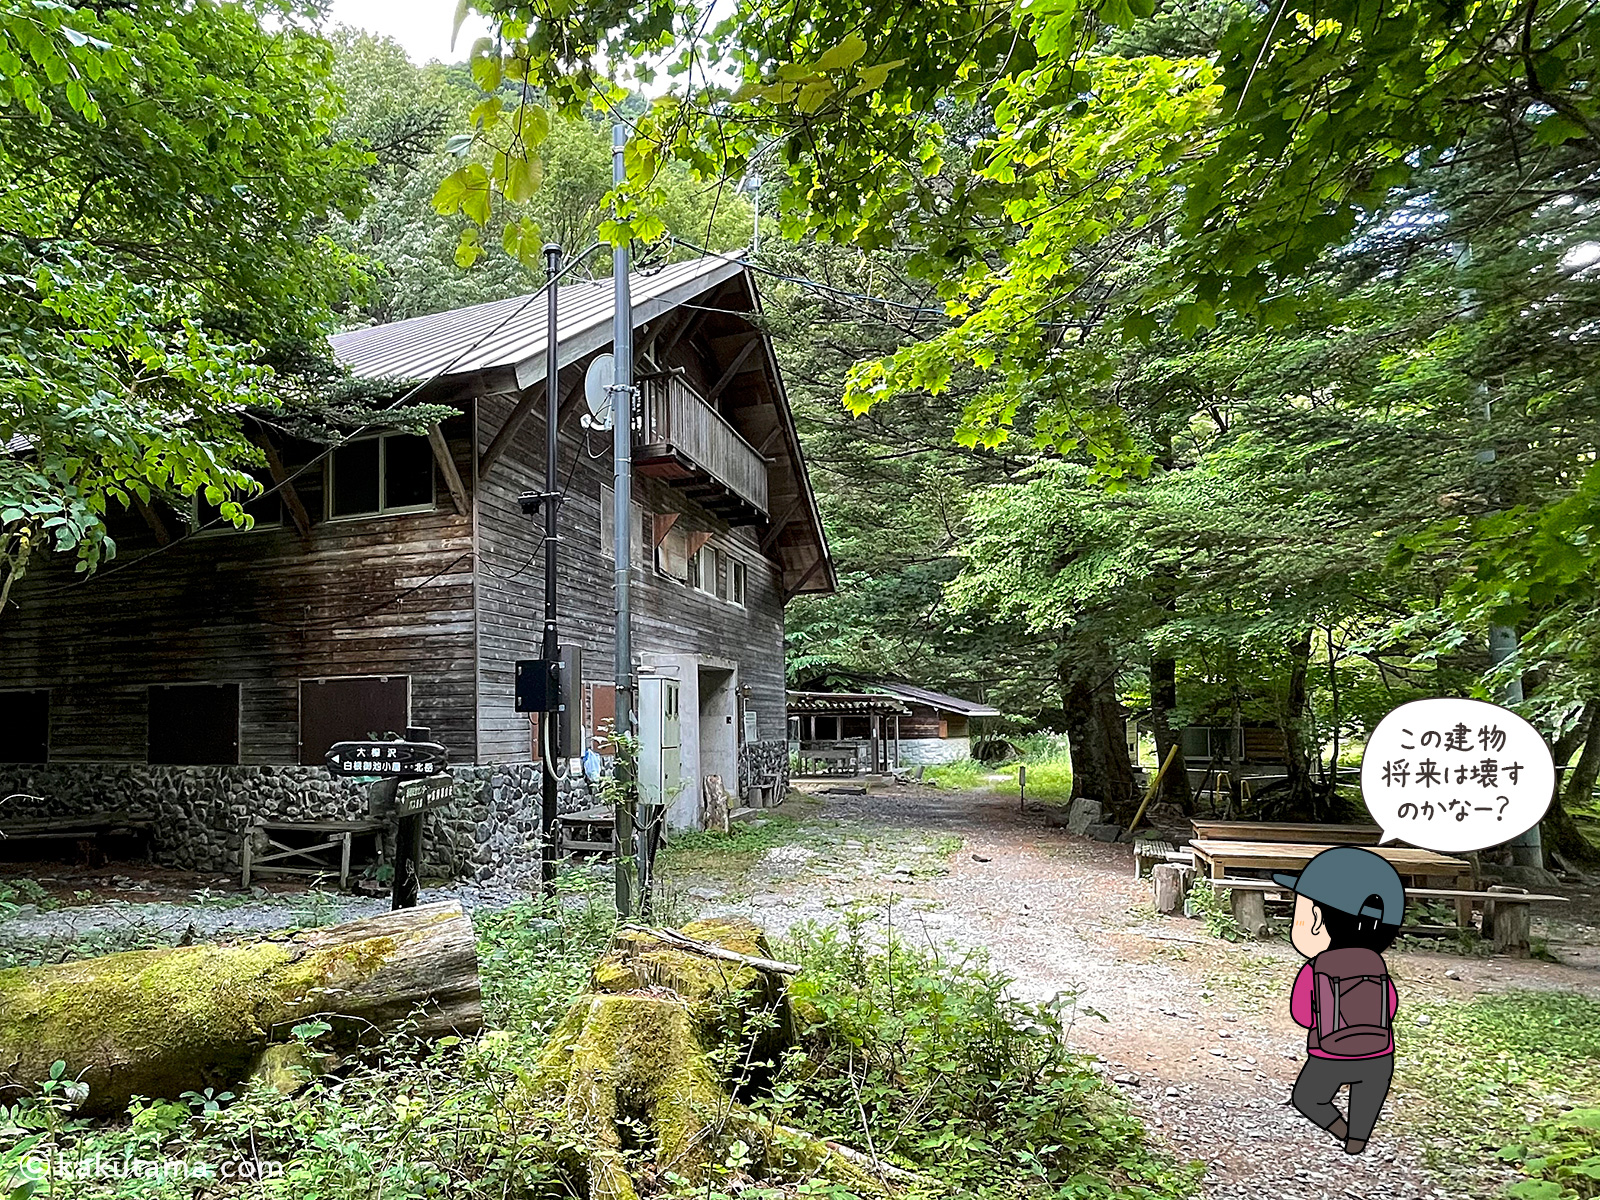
column 511, row 333
column 844, row 702
column 937, row 700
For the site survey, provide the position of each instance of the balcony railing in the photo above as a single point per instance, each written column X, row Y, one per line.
column 679, row 436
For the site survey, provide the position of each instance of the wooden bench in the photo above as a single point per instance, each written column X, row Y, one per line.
column 590, row 831
column 1506, row 910
column 287, row 859
column 1150, row 851
column 834, row 761
column 86, row 829
column 763, row 791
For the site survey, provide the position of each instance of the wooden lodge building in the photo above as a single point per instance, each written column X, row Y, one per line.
column 199, row 677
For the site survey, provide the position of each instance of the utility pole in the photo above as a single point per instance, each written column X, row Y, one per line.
column 622, row 524
column 550, row 722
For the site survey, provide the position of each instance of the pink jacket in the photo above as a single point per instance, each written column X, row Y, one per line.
column 1300, row 1010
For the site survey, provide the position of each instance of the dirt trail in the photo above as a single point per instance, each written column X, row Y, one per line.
column 1196, row 1031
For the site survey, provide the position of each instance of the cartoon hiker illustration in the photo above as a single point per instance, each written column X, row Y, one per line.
column 1349, row 904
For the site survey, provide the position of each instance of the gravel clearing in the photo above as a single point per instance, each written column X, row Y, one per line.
column 1196, row 1030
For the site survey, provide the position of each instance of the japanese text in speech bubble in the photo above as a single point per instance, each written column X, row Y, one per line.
column 1455, row 775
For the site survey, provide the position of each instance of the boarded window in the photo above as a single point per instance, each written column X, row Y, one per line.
column 674, row 554
column 722, row 569
column 599, row 714
column 351, row 709
column 641, row 546
column 25, row 726
column 194, row 724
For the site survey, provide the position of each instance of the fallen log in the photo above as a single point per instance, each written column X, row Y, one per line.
column 162, row 1022
column 640, row 1079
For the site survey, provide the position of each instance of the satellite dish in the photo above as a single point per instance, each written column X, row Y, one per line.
column 597, row 383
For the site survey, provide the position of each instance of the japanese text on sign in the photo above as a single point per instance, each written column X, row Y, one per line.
column 1455, row 775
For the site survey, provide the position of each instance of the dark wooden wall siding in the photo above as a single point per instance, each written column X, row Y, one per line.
column 669, row 617
column 923, row 722
column 373, row 595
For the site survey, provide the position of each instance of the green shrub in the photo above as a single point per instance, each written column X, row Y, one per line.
column 938, row 1067
column 1561, row 1156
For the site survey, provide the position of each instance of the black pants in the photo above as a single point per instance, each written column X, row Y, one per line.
column 1321, row 1078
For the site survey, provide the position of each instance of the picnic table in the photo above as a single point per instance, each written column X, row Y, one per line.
column 834, row 760
column 1415, row 867
column 1287, row 831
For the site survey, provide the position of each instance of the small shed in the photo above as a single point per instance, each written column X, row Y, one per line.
column 937, row 727
column 845, row 732
column 889, row 723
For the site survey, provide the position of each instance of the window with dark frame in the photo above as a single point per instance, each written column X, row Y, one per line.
column 350, row 708
column 193, row 724
column 737, row 585
column 373, row 476
column 25, row 726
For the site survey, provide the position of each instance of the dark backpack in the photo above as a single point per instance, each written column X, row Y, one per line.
column 1350, row 1015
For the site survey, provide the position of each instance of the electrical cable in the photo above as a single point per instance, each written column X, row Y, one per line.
column 329, row 450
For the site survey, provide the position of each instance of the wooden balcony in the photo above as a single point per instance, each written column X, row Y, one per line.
column 679, row 437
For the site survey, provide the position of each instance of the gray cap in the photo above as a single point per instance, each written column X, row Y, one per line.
column 1344, row 876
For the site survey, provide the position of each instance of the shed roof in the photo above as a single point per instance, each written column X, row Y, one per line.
column 844, row 703
column 939, row 700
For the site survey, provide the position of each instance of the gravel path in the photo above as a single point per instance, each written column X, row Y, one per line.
column 1197, row 1031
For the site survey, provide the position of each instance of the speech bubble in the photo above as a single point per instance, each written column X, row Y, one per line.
column 1456, row 775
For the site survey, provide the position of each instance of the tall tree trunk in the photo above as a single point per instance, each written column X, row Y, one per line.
column 1558, row 831
column 1302, row 795
column 1097, row 731
column 1163, row 700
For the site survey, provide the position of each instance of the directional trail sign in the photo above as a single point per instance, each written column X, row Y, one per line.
column 389, row 760
column 423, row 795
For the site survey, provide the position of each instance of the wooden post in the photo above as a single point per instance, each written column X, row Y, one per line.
column 344, row 863
column 1155, row 786
column 1171, row 883
column 1250, row 911
column 1022, row 787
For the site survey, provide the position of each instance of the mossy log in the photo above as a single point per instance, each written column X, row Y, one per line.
column 162, row 1022
column 633, row 1074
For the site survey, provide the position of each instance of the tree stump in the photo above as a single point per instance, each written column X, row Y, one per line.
column 1171, row 883
column 163, row 1022
column 1249, row 911
column 1512, row 924
column 637, row 1079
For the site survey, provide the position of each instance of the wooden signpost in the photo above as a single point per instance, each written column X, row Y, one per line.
column 412, row 773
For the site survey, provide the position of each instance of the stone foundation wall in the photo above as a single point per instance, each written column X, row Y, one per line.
column 931, row 751
column 202, row 813
column 761, row 759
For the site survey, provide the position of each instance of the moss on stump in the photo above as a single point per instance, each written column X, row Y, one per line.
column 162, row 1022
column 629, row 1073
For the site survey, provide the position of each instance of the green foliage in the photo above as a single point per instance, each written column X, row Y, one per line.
column 1500, row 1070
column 936, row 1065
column 162, row 175
column 1213, row 906
column 1561, row 1156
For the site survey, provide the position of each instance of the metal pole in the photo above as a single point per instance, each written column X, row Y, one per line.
column 549, row 722
column 622, row 496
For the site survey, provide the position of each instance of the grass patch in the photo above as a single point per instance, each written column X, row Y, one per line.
column 1049, row 777
column 1496, row 1074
